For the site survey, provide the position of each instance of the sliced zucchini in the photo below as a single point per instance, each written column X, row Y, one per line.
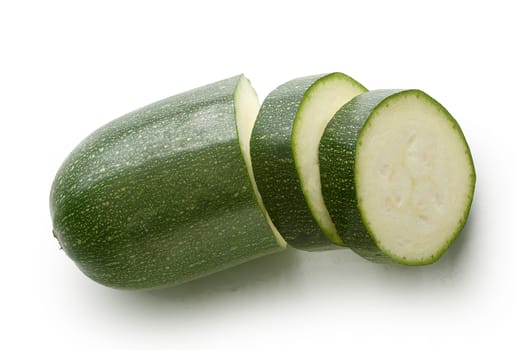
column 284, row 150
column 397, row 176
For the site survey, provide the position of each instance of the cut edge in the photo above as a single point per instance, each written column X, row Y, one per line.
column 247, row 106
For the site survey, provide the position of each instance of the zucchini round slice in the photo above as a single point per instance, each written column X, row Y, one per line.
column 284, row 150
column 397, row 176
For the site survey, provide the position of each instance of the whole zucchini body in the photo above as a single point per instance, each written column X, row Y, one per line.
column 397, row 176
column 165, row 194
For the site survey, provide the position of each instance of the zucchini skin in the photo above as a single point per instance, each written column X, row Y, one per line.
column 161, row 195
column 337, row 154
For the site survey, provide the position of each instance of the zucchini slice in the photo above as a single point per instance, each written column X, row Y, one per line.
column 397, row 176
column 165, row 194
column 284, row 150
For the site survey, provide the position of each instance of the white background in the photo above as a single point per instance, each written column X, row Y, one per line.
column 66, row 69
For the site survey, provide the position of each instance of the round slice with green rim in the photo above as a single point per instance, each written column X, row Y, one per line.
column 397, row 176
column 165, row 194
column 284, row 151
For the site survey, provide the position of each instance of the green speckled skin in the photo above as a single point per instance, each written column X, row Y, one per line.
column 161, row 195
column 337, row 152
column 274, row 169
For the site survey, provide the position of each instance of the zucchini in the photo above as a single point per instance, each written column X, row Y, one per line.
column 397, row 176
column 165, row 194
column 284, row 150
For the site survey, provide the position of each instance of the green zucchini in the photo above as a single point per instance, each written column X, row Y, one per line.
column 165, row 194
column 397, row 176
column 284, row 150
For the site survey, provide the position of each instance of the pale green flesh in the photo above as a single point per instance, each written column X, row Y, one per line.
column 319, row 105
column 413, row 176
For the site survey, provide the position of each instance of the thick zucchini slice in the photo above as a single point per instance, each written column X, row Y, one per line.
column 397, row 176
column 284, row 150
